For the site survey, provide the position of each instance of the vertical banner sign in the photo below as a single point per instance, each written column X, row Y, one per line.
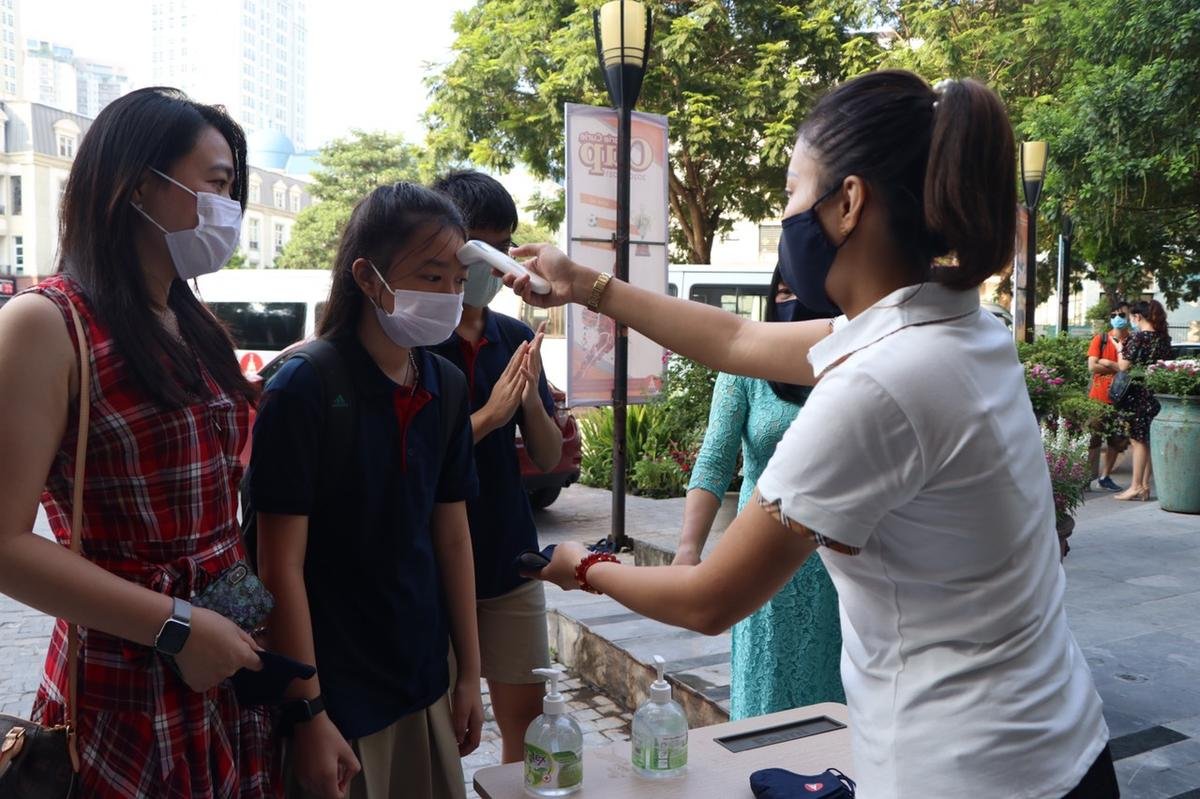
column 591, row 160
column 1020, row 275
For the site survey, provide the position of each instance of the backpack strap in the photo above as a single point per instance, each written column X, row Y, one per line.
column 454, row 393
column 337, row 406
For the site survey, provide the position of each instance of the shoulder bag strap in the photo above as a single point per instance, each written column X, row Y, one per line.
column 85, row 406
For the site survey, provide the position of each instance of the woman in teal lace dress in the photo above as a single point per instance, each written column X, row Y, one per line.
column 788, row 653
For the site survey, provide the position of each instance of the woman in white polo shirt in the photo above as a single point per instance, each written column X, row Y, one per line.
column 916, row 470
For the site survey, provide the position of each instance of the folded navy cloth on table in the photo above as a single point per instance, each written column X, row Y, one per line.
column 777, row 783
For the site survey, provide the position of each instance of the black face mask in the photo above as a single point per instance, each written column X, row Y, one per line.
column 806, row 255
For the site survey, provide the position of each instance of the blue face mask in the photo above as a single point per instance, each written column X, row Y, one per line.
column 805, row 257
column 482, row 286
column 1119, row 323
column 786, row 311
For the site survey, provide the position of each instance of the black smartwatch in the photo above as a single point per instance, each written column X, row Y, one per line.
column 299, row 711
column 175, row 630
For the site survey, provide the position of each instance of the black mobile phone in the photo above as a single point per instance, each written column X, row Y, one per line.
column 534, row 561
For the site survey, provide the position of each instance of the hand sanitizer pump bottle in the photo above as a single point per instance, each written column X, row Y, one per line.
column 660, row 732
column 553, row 746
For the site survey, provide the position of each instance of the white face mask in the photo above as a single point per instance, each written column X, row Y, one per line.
column 482, row 285
column 419, row 318
column 208, row 246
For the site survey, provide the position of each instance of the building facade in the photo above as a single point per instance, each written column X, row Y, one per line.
column 50, row 76
column 12, row 51
column 255, row 67
column 274, row 200
column 37, row 145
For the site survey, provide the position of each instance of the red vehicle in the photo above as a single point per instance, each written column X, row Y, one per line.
column 543, row 488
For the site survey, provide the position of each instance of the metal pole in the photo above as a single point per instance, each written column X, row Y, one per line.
column 1030, row 272
column 616, row 536
column 1064, row 282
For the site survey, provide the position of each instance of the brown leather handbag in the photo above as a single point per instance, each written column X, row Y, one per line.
column 39, row 762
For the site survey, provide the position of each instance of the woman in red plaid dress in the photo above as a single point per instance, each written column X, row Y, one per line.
column 154, row 195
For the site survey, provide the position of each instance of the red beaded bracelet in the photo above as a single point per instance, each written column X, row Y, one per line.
column 588, row 562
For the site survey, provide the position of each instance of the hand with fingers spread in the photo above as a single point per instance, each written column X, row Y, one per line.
column 506, row 395
column 216, row 648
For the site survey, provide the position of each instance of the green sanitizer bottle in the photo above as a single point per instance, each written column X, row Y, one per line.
column 660, row 732
column 553, row 746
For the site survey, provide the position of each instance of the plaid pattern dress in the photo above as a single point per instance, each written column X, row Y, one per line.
column 159, row 509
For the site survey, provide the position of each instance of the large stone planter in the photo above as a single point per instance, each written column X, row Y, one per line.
column 1175, row 453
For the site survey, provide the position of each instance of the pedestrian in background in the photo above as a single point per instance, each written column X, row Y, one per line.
column 788, row 652
column 501, row 358
column 370, row 560
column 1103, row 355
column 1149, row 344
column 155, row 196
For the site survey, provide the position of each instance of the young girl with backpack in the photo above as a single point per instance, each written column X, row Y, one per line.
column 370, row 558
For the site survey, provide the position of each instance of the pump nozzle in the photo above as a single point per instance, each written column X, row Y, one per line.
column 660, row 689
column 553, row 704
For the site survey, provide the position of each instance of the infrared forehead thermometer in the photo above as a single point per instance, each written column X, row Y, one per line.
column 475, row 251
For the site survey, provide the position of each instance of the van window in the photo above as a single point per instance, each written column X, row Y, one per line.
column 262, row 325
column 743, row 300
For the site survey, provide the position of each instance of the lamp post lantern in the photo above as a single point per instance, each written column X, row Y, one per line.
column 622, row 31
column 1064, row 272
column 1033, row 173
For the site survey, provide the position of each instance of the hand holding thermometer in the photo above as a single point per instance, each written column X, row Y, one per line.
column 475, row 251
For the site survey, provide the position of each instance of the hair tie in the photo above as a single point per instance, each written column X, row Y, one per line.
column 939, row 88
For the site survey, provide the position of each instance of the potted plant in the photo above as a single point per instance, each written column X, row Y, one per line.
column 1175, row 434
column 1100, row 421
column 1067, row 459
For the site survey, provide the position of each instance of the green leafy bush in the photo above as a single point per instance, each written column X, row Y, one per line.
column 1066, row 356
column 659, row 477
column 1082, row 414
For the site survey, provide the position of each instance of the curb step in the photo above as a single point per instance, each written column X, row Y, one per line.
column 611, row 647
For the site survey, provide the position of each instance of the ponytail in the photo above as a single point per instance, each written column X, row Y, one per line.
column 970, row 193
column 940, row 161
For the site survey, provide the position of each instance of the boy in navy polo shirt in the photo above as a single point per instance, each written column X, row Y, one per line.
column 507, row 389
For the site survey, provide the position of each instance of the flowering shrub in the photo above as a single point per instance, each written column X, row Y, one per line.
column 1082, row 415
column 1067, row 458
column 1045, row 386
column 1181, row 378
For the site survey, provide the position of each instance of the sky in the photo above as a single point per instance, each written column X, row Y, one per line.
column 366, row 57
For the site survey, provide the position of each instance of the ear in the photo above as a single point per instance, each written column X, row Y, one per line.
column 141, row 189
column 851, row 204
column 368, row 282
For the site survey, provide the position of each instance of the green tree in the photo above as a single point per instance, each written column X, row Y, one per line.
column 349, row 169
column 1114, row 87
column 734, row 79
column 1122, row 128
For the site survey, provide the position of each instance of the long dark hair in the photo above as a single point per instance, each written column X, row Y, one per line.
column 147, row 128
column 1154, row 313
column 383, row 223
column 788, row 392
column 941, row 161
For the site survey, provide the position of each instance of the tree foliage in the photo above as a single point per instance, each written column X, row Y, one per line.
column 349, row 169
column 734, row 79
column 1114, row 87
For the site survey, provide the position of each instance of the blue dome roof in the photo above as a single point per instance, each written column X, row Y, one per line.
column 269, row 149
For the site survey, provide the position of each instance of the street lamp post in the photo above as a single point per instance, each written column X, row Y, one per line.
column 1033, row 173
column 622, row 31
column 1064, row 271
